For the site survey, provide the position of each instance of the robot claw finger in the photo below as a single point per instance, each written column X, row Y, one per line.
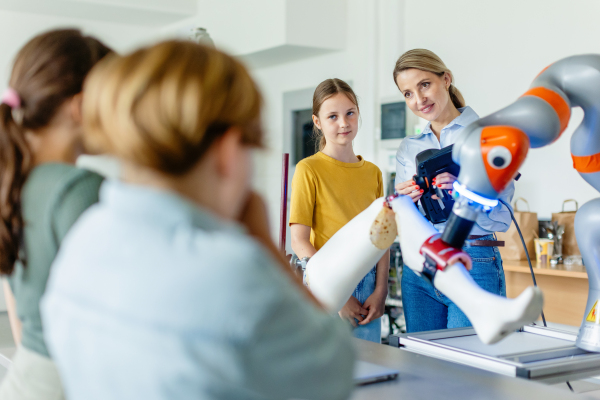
column 335, row 270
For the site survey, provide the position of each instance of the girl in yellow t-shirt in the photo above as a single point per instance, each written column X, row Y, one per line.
column 332, row 187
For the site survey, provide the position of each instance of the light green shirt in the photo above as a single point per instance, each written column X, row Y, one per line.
column 53, row 197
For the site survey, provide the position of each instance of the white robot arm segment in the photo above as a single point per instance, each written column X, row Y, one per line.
column 493, row 317
column 335, row 270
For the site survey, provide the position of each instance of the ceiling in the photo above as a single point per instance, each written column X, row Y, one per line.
column 153, row 13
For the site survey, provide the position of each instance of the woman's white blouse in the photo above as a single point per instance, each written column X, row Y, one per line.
column 498, row 220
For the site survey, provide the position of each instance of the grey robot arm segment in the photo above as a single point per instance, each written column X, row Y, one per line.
column 492, row 149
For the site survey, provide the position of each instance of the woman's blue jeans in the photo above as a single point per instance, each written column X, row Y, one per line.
column 426, row 309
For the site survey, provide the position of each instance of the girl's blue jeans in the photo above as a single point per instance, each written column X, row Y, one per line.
column 426, row 309
column 366, row 287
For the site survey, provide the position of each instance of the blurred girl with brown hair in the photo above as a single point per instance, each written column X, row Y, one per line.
column 41, row 192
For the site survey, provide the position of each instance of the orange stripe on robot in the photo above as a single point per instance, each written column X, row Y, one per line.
column 560, row 106
column 586, row 164
column 515, row 141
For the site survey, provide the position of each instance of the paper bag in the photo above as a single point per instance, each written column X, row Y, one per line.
column 513, row 247
column 567, row 218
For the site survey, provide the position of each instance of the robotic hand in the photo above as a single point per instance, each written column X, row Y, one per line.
column 335, row 270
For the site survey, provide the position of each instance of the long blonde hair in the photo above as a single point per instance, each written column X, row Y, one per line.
column 426, row 60
column 325, row 90
column 163, row 106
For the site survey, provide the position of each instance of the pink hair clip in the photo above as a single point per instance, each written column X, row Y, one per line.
column 11, row 98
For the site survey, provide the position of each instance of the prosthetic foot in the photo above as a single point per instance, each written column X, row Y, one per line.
column 493, row 317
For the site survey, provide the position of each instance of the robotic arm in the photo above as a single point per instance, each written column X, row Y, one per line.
column 492, row 149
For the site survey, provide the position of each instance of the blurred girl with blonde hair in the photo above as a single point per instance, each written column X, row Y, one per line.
column 171, row 287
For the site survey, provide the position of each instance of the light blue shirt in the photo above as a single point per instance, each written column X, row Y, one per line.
column 497, row 220
column 153, row 298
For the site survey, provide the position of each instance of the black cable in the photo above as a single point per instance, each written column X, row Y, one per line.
column 570, row 387
column 526, row 253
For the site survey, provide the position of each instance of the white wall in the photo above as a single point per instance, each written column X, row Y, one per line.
column 495, row 50
column 17, row 28
column 370, row 25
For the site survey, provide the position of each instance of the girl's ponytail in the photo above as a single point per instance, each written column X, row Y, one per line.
column 15, row 163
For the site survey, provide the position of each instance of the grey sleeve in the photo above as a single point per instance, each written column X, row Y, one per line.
column 297, row 350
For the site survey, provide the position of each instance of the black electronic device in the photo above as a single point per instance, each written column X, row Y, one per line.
column 430, row 163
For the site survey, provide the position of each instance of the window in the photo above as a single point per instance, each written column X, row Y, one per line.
column 393, row 120
column 303, row 136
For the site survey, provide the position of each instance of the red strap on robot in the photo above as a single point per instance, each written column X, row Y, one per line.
column 439, row 254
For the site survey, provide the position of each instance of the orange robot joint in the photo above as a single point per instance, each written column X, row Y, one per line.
column 556, row 101
column 586, row 164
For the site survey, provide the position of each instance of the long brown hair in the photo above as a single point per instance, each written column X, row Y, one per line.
column 47, row 71
column 427, row 60
column 162, row 107
column 325, row 90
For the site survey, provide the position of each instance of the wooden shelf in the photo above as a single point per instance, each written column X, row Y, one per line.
column 574, row 271
column 565, row 291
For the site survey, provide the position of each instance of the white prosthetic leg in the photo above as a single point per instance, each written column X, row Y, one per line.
column 493, row 317
column 334, row 271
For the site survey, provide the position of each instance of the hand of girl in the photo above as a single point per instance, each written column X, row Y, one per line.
column 410, row 188
column 443, row 181
column 353, row 310
column 375, row 303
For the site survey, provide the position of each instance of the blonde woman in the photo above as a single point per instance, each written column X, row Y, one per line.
column 427, row 87
column 171, row 288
